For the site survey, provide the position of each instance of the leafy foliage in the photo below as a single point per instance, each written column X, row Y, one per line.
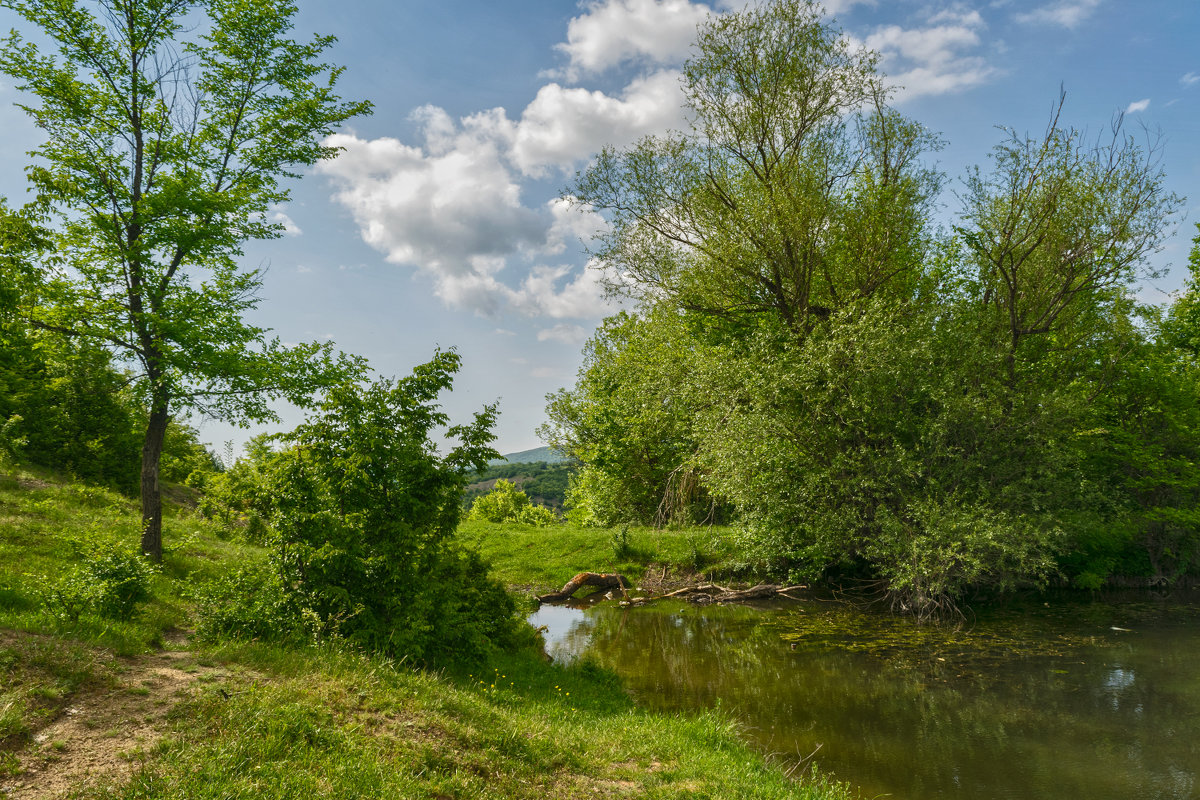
column 507, row 503
column 626, row 420
column 162, row 156
column 545, row 483
column 934, row 413
column 110, row 583
column 363, row 510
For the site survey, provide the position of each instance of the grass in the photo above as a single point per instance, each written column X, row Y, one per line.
column 270, row 721
column 328, row 724
column 545, row 558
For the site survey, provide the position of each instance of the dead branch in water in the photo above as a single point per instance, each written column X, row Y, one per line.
column 601, row 581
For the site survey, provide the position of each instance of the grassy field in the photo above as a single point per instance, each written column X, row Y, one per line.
column 95, row 708
column 540, row 559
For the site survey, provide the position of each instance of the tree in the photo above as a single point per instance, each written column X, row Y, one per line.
column 163, row 155
column 795, row 192
column 364, row 511
column 872, row 397
column 507, row 503
column 1058, row 228
column 628, row 420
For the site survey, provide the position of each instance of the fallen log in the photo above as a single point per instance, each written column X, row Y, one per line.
column 712, row 593
column 601, row 581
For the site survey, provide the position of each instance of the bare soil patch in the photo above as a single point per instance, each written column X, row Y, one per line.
column 105, row 733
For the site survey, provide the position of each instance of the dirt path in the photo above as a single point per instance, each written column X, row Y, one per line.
column 104, row 733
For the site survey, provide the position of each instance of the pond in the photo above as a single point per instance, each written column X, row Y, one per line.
column 1068, row 700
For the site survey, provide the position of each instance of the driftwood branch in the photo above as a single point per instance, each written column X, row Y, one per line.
column 707, row 593
column 601, row 581
column 701, row 594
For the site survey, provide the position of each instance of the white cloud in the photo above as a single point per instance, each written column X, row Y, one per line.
column 614, row 32
column 451, row 206
column 304, row 269
column 573, row 223
column 277, row 215
column 1191, row 79
column 504, row 332
column 544, row 372
column 1138, row 106
column 1067, row 13
column 567, row 334
column 934, row 59
column 544, row 294
column 563, row 126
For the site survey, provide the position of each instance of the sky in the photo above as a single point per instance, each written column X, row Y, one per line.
column 442, row 223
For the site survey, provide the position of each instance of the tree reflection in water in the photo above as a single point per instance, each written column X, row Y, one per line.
column 1026, row 703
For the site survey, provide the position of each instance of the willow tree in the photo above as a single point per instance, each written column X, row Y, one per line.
column 169, row 126
column 795, row 191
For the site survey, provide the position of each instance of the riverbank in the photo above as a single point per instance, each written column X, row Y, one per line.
column 535, row 560
column 99, row 708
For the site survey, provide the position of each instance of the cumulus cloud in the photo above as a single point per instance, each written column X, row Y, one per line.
column 1190, row 79
column 562, row 293
column 1066, row 13
column 574, row 222
column 615, row 32
column 1137, row 106
column 934, row 59
column 451, row 206
column 564, row 125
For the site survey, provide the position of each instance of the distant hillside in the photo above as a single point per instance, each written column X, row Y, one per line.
column 544, row 483
column 547, row 454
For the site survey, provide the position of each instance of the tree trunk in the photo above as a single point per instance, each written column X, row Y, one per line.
column 156, row 432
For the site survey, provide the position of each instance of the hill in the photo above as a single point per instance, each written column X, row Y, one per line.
column 546, row 454
column 545, row 483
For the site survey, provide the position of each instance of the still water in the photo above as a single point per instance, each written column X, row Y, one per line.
column 1098, row 700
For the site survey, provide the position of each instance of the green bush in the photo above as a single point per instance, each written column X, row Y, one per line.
column 362, row 512
column 507, row 503
column 249, row 603
column 110, row 584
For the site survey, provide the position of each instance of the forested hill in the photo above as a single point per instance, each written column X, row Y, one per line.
column 543, row 481
column 538, row 454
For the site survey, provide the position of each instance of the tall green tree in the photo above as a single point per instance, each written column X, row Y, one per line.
column 871, row 396
column 169, row 127
column 796, row 190
column 1057, row 230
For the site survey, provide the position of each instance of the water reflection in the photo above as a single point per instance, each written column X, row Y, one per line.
column 1048, row 703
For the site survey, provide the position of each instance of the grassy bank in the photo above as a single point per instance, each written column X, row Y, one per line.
column 541, row 559
column 100, row 708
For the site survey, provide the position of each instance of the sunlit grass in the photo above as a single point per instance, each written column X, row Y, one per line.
column 322, row 721
column 48, row 526
column 328, row 724
column 542, row 558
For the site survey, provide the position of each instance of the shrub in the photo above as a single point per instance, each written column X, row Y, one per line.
column 362, row 512
column 110, row 584
column 249, row 603
column 507, row 503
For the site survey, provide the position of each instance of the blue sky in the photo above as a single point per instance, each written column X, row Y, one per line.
column 440, row 225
